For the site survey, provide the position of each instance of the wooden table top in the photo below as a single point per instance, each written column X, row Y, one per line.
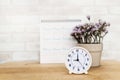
column 109, row 70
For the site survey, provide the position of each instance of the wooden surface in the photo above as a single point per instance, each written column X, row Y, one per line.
column 109, row 70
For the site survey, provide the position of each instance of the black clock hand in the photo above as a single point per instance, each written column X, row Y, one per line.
column 77, row 57
column 80, row 63
column 75, row 60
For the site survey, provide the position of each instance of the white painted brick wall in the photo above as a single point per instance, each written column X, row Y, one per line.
column 107, row 2
column 4, row 2
column 20, row 24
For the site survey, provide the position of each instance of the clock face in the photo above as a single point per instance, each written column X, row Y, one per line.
column 78, row 60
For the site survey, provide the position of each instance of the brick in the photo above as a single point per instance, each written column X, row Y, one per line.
column 32, row 28
column 23, row 10
column 5, row 37
column 14, row 20
column 95, row 10
column 16, row 10
column 25, row 2
column 58, row 58
column 114, row 10
column 32, row 46
column 25, row 37
column 107, row 2
column 11, row 28
column 55, row 3
column 4, row 2
column 5, row 9
column 63, row 11
column 6, row 52
column 26, row 55
column 11, row 46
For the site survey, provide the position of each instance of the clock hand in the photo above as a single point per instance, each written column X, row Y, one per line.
column 77, row 57
column 75, row 60
column 80, row 63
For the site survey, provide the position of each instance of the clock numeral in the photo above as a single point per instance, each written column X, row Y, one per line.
column 87, row 59
column 68, row 60
column 77, row 50
column 86, row 64
column 85, row 54
column 82, row 51
column 83, row 67
column 70, row 65
column 73, row 67
column 72, row 51
column 78, row 69
column 69, row 55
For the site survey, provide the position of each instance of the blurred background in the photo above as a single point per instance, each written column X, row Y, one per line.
column 20, row 24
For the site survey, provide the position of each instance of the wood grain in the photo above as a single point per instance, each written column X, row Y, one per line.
column 109, row 70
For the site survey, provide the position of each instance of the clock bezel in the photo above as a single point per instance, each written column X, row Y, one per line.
column 88, row 67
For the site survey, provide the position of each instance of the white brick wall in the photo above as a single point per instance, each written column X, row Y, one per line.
column 107, row 2
column 4, row 2
column 20, row 23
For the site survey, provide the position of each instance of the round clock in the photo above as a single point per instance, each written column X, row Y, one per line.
column 78, row 60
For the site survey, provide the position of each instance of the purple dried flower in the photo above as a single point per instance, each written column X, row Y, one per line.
column 94, row 29
column 83, row 30
column 72, row 34
column 106, row 31
column 97, row 25
column 88, row 31
column 76, row 28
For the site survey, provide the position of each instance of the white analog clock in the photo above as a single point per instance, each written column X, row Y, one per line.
column 78, row 60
